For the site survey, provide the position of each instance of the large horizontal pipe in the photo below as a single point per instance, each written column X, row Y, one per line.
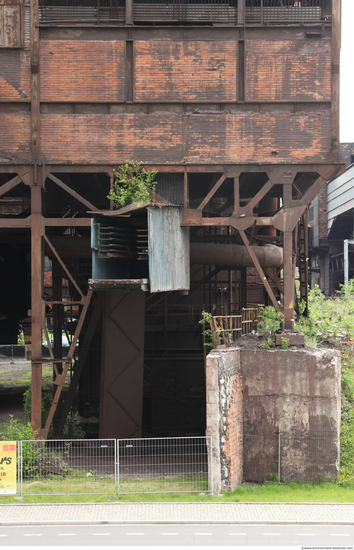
column 235, row 255
column 228, row 255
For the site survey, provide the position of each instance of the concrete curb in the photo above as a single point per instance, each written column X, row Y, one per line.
column 175, row 522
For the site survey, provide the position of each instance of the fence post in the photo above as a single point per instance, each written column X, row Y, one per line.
column 279, row 457
column 117, row 466
column 211, row 464
column 12, row 354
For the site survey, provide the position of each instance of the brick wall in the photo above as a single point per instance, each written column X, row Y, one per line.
column 233, row 426
column 185, row 71
column 288, row 70
column 157, row 137
column 225, row 417
column 82, row 70
column 15, row 133
column 15, row 74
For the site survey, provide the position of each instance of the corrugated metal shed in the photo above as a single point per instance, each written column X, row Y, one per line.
column 169, row 250
column 340, row 194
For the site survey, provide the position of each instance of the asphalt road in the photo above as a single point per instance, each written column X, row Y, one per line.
column 329, row 536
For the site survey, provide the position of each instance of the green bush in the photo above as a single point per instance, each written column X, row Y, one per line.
column 132, row 184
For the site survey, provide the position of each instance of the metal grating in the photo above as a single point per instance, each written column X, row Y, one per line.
column 96, row 11
column 182, row 10
column 119, row 242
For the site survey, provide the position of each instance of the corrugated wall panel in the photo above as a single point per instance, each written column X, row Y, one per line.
column 111, row 138
column 255, row 137
column 82, row 70
column 15, row 133
column 27, row 24
column 288, row 70
column 15, row 75
column 185, row 71
column 169, row 258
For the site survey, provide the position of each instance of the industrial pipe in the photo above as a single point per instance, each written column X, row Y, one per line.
column 235, row 255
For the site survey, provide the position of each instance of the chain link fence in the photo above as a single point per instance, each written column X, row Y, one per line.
column 103, row 466
column 68, row 467
column 164, row 465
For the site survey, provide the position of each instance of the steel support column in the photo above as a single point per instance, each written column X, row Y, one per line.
column 37, row 313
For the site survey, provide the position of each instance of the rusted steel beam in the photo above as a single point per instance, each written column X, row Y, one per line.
column 258, row 197
column 275, row 280
column 58, row 319
column 79, row 365
column 289, row 281
column 59, row 382
column 73, row 193
column 48, row 342
column 212, row 192
column 67, row 222
column 63, row 266
column 241, row 12
column 23, row 223
column 260, row 271
column 37, row 311
column 185, row 190
column 336, row 42
column 35, row 100
column 129, row 12
column 9, row 185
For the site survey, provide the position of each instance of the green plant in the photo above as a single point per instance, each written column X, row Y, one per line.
column 132, row 184
column 271, row 320
column 285, row 343
column 267, row 343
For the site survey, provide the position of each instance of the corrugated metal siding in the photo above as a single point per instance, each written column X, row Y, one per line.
column 15, row 133
column 169, row 258
column 111, row 139
column 82, row 70
column 253, row 137
column 340, row 194
column 10, row 25
column 185, row 71
column 15, row 75
column 288, row 70
column 27, row 24
column 171, row 187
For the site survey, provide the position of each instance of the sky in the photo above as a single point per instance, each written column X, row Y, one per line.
column 347, row 73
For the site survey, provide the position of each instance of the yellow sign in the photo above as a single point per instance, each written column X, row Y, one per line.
column 8, row 467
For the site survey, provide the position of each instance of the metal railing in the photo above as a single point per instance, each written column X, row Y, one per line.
column 226, row 329
column 164, row 465
column 201, row 11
